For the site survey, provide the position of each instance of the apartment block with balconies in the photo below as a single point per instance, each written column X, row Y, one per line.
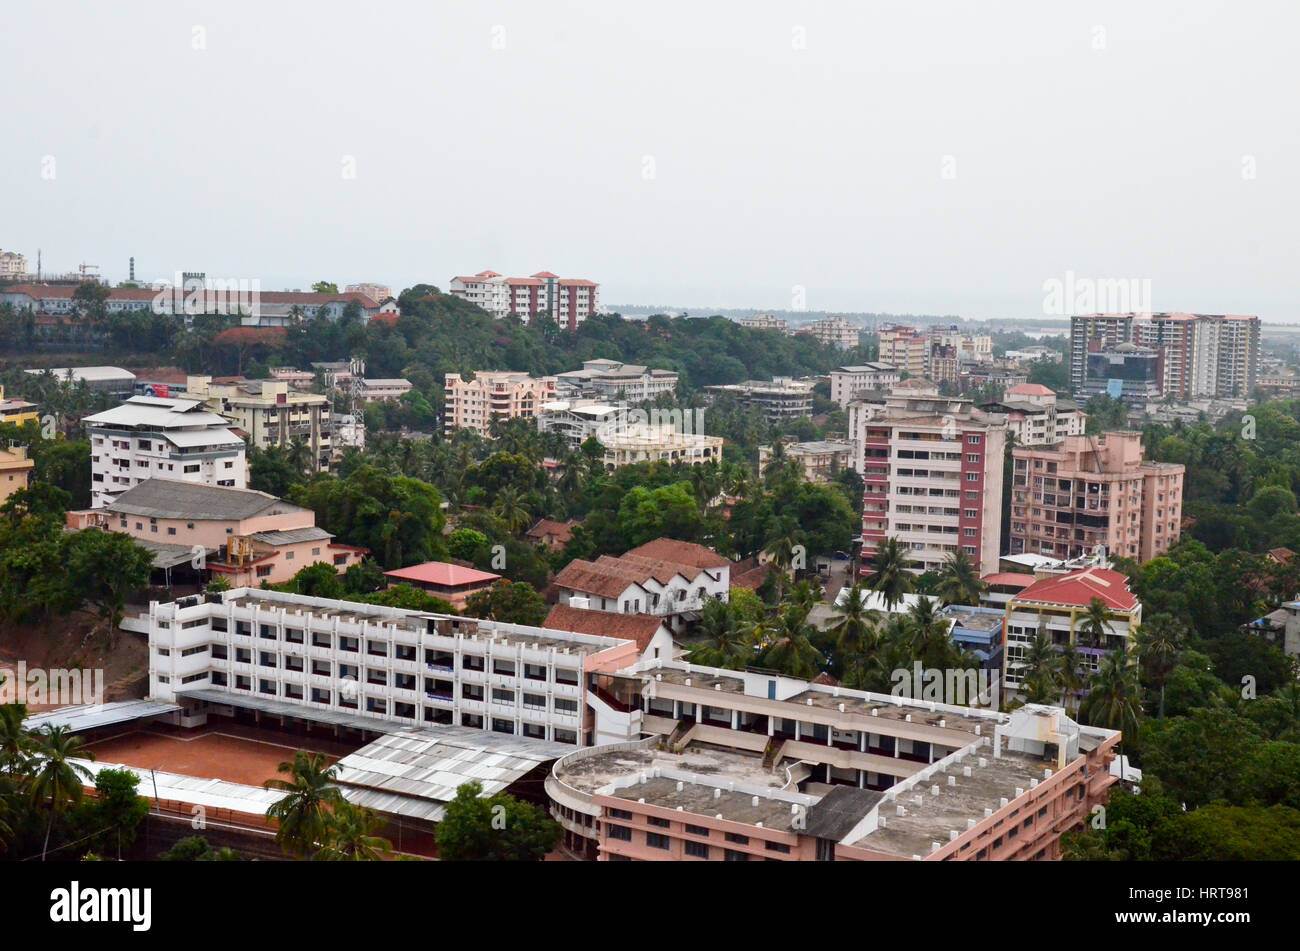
column 1088, row 491
column 494, row 394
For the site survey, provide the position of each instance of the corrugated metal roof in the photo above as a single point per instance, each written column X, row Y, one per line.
column 288, row 537
column 88, row 716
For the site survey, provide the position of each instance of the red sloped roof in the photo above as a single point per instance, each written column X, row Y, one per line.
column 442, row 573
column 1080, row 587
column 1008, row 578
column 631, row 627
column 1028, row 389
column 545, row 274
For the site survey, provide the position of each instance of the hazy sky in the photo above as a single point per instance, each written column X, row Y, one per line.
column 902, row 157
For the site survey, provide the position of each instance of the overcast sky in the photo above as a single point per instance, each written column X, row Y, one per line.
column 904, row 157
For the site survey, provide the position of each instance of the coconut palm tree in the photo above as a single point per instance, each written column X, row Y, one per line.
column 792, row 651
column 1157, row 645
column 1040, row 675
column 303, row 814
column 1115, row 700
column 15, row 742
column 959, row 580
column 855, row 624
column 511, row 510
column 725, row 643
column 889, row 574
column 1073, row 676
column 784, row 548
column 55, row 773
column 1095, row 624
column 931, row 638
column 806, row 594
column 351, row 836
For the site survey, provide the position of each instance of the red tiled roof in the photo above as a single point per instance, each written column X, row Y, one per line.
column 562, row 532
column 607, row 581
column 1080, row 587
column 545, row 274
column 1029, row 389
column 1009, row 578
column 442, row 573
column 684, row 553
column 631, row 627
column 1281, row 554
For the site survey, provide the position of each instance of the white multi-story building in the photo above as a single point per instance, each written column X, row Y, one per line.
column 13, row 266
column 149, row 437
column 933, row 469
column 848, row 383
column 782, row 398
column 657, row 442
column 612, row 380
column 272, row 413
column 578, row 420
column 569, row 301
column 263, row 650
column 832, row 332
column 1037, row 418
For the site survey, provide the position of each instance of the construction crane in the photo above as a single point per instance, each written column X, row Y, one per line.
column 83, row 268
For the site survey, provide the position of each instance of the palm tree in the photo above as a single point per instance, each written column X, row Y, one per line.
column 889, row 574
column 510, row 509
column 931, row 640
column 725, row 643
column 15, row 742
column 806, row 594
column 303, row 814
column 1157, row 645
column 959, row 581
column 783, row 547
column 855, row 623
column 1040, row 675
column 1096, row 623
column 1073, row 676
column 56, row 775
column 792, row 651
column 351, row 836
column 1114, row 701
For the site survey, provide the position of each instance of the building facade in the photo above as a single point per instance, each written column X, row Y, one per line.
column 832, row 332
column 1084, row 492
column 821, row 460
column 932, row 468
column 764, row 322
column 568, row 301
column 272, row 413
column 612, row 380
column 906, row 348
column 780, row 399
column 154, row 438
column 849, row 383
column 494, row 394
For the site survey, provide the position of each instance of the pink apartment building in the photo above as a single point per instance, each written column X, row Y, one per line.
column 569, row 301
column 494, row 394
column 1085, row 491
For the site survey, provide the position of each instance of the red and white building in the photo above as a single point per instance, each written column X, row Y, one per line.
column 932, row 468
column 569, row 301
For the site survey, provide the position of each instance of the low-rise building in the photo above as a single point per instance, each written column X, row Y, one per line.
column 832, row 332
column 442, row 579
column 112, row 380
column 151, row 437
column 15, row 411
column 764, row 322
column 615, row 381
column 665, row 578
column 15, row 471
column 579, row 420
column 243, row 536
column 645, row 442
column 1058, row 606
column 494, row 394
column 781, row 398
column 383, row 391
column 821, row 460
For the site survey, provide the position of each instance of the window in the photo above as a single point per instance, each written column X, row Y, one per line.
column 697, row 850
column 972, row 477
column 656, row 841
column 620, row 814
column 657, row 821
column 776, row 847
column 737, row 838
column 622, row 833
column 696, row 830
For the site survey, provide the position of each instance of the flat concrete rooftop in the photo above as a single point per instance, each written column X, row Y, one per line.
column 938, row 815
column 591, row 773
column 708, row 800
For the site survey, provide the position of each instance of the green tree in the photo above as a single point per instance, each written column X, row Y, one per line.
column 352, row 836
column 889, row 573
column 959, row 581
column 496, row 828
column 513, row 602
column 56, row 776
column 303, row 814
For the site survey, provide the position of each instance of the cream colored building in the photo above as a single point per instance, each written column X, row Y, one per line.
column 822, row 460
column 494, row 394
column 906, row 348
column 271, row 413
column 15, row 471
column 643, row 442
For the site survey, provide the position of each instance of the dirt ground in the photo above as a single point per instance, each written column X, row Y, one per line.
column 79, row 641
column 207, row 755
